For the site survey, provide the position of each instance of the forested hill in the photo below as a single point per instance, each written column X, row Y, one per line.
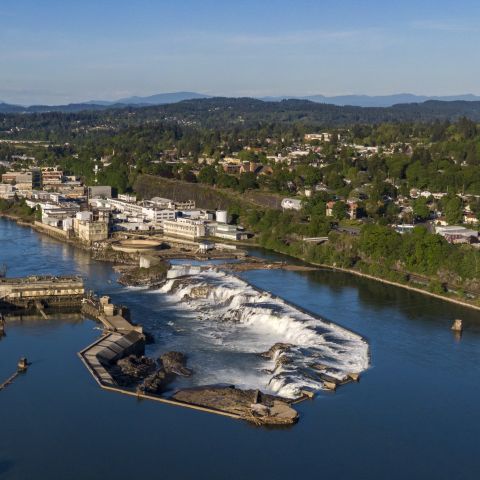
column 216, row 111
column 225, row 113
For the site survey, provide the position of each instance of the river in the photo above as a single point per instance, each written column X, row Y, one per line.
column 414, row 414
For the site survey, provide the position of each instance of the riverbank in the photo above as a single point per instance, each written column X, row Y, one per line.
column 15, row 218
column 121, row 258
column 462, row 303
column 104, row 251
column 306, row 264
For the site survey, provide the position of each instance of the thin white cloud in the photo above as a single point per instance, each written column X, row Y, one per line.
column 285, row 38
column 443, row 26
column 29, row 55
column 293, row 38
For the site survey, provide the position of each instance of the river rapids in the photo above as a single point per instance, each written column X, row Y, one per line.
column 224, row 325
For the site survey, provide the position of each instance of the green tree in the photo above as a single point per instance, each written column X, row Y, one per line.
column 339, row 210
column 420, row 209
column 247, row 181
column 453, row 210
column 208, row 175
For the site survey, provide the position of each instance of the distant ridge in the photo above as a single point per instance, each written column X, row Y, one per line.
column 10, row 108
column 161, row 98
column 220, row 112
column 339, row 100
column 376, row 100
column 461, row 102
column 175, row 97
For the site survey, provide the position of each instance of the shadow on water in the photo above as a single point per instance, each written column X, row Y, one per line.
column 5, row 466
column 380, row 297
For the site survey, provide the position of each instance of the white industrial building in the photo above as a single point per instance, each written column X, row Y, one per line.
column 184, row 228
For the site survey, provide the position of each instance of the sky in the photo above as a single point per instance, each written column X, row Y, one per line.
column 62, row 51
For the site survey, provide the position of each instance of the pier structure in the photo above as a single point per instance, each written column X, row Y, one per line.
column 114, row 318
column 106, row 351
column 120, row 337
column 41, row 292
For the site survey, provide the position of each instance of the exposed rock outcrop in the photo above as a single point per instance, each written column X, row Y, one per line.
column 250, row 405
column 103, row 252
column 155, row 383
column 201, row 291
column 137, row 367
column 174, row 363
column 146, row 374
column 153, row 276
column 276, row 350
column 279, row 352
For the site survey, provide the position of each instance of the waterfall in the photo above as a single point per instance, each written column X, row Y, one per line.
column 255, row 320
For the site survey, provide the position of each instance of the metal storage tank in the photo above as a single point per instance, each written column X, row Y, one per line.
column 221, row 216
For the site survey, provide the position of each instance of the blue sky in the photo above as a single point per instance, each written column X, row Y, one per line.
column 54, row 51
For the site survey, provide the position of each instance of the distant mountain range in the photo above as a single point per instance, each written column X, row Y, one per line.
column 175, row 97
column 159, row 99
column 377, row 100
column 341, row 100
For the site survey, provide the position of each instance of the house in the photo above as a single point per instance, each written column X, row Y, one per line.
column 457, row 234
column 232, row 168
column 329, row 209
column 352, row 210
column 414, row 193
column 470, row 218
column 321, row 187
column 321, row 137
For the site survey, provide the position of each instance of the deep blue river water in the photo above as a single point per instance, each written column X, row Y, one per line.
column 414, row 415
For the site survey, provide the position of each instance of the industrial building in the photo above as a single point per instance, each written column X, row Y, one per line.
column 184, row 228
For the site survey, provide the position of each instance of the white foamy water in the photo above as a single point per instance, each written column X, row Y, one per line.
column 229, row 315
